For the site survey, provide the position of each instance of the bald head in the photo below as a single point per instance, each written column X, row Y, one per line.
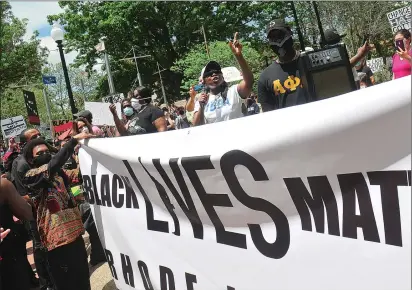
column 29, row 134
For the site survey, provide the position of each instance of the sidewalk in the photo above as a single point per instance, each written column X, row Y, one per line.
column 100, row 276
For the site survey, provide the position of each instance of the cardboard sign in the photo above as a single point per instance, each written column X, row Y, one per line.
column 101, row 113
column 12, row 127
column 116, row 98
column 400, row 19
column 231, row 74
column 375, row 64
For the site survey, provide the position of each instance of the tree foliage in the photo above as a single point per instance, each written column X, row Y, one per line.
column 84, row 87
column 164, row 30
column 21, row 60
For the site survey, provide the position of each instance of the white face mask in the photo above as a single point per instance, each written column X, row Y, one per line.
column 363, row 87
column 135, row 104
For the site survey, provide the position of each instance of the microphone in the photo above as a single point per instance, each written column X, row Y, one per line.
column 205, row 90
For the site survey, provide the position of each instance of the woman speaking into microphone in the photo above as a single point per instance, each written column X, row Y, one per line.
column 219, row 102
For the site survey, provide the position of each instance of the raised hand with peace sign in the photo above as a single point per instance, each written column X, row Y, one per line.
column 235, row 45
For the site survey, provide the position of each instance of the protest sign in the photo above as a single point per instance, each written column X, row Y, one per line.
column 116, row 98
column 400, row 19
column 231, row 74
column 322, row 202
column 101, row 113
column 375, row 64
column 12, row 127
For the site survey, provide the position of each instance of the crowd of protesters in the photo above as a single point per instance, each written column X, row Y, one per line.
column 41, row 187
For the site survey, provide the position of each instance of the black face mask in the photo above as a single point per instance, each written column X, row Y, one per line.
column 42, row 159
column 282, row 50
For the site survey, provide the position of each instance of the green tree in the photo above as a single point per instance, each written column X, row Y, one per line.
column 20, row 61
column 164, row 30
column 84, row 87
column 193, row 62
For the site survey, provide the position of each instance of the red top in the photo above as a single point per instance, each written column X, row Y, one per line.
column 401, row 68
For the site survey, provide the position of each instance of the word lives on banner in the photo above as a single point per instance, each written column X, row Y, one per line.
column 321, row 199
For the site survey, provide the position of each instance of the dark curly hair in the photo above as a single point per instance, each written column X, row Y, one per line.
column 405, row 32
column 28, row 149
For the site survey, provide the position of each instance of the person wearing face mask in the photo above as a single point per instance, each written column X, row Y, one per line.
column 19, row 168
column 219, row 102
column 83, row 125
column 141, row 116
column 86, row 114
column 59, row 221
column 280, row 84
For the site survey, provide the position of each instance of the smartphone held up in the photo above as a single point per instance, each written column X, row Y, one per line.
column 399, row 45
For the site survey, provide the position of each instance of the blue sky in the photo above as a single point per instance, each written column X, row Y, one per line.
column 36, row 13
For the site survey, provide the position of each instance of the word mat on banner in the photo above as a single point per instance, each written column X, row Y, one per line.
column 13, row 126
column 331, row 195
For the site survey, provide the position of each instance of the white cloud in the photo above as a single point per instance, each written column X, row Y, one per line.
column 54, row 56
column 36, row 12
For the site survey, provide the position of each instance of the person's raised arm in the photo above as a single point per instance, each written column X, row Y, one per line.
column 362, row 52
column 9, row 195
column 199, row 117
column 121, row 129
column 58, row 160
column 190, row 106
column 244, row 88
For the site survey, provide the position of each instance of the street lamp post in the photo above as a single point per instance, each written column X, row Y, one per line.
column 57, row 34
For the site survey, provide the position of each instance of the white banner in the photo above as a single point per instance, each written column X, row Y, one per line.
column 400, row 19
column 319, row 198
column 101, row 113
column 13, row 126
column 375, row 64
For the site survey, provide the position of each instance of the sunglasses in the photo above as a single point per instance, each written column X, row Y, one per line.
column 211, row 73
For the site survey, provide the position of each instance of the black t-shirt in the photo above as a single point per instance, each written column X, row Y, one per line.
column 280, row 86
column 367, row 70
column 142, row 122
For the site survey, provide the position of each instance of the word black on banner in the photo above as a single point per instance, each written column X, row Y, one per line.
column 31, row 106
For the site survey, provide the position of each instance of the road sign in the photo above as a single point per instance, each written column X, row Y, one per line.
column 47, row 80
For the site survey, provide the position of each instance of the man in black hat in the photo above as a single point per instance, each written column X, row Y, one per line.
column 332, row 37
column 279, row 84
column 89, row 117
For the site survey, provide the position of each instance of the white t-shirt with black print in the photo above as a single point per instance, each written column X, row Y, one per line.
column 218, row 110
